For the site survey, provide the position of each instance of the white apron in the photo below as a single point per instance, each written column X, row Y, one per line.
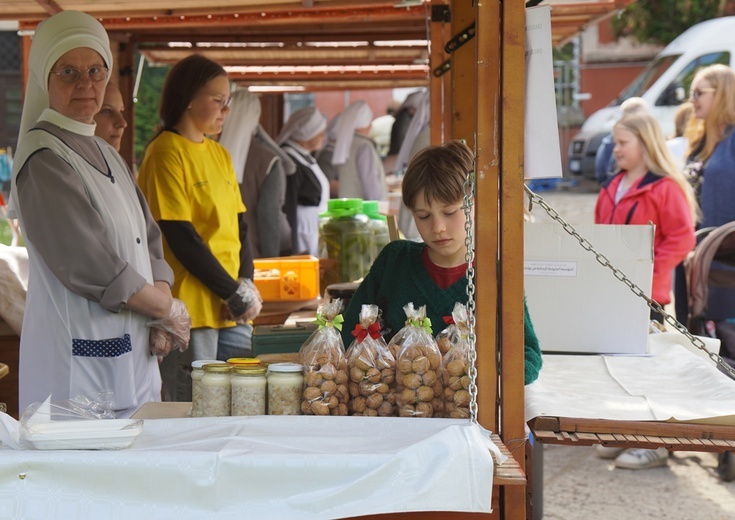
column 72, row 346
column 307, row 217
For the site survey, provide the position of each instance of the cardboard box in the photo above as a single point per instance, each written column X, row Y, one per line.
column 576, row 304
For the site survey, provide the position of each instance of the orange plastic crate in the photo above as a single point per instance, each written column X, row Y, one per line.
column 287, row 278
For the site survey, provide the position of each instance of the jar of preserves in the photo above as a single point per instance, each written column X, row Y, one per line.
column 379, row 224
column 285, row 383
column 216, row 390
column 248, row 390
column 347, row 240
column 197, row 372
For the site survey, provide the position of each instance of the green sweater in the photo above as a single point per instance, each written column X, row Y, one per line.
column 398, row 276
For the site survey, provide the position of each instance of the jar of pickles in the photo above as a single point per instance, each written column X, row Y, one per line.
column 285, row 384
column 379, row 225
column 347, row 240
column 248, row 390
column 197, row 372
column 216, row 390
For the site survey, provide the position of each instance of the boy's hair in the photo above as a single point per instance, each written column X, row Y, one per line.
column 440, row 171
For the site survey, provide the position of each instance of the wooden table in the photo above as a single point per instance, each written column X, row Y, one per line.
column 674, row 436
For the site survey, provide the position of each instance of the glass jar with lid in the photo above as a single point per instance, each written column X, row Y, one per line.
column 285, row 384
column 347, row 240
column 248, row 390
column 197, row 372
column 216, row 390
column 379, row 224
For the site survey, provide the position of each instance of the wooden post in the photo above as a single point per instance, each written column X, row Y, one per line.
column 512, row 88
column 439, row 86
column 464, row 73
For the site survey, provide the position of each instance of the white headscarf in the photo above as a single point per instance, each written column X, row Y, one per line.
column 54, row 37
column 413, row 100
column 303, row 125
column 239, row 127
column 357, row 115
column 418, row 122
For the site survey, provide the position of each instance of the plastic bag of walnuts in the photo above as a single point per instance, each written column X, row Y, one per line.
column 418, row 365
column 372, row 369
column 325, row 365
column 456, row 365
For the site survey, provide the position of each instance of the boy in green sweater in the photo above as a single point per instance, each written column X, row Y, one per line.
column 431, row 273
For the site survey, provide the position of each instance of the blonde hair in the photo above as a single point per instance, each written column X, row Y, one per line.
column 656, row 154
column 682, row 117
column 704, row 134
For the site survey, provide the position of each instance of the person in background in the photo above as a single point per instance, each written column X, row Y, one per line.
column 404, row 116
column 649, row 188
column 356, row 160
column 262, row 169
column 432, row 273
column 99, row 310
column 679, row 144
column 192, row 189
column 711, row 164
column 605, row 166
column 110, row 119
column 308, row 188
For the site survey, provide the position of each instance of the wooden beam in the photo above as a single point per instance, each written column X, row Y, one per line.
column 50, row 6
column 464, row 75
column 439, row 86
column 512, row 103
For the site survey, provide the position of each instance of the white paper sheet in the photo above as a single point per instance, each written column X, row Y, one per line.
column 541, row 141
column 298, row 467
column 671, row 383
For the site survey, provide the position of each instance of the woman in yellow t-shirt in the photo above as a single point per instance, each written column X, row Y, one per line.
column 191, row 187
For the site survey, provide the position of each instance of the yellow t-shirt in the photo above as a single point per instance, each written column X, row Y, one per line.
column 195, row 182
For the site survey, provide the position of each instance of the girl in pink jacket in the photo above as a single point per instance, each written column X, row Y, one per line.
column 650, row 188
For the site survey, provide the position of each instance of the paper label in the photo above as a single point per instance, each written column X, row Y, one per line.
column 549, row 268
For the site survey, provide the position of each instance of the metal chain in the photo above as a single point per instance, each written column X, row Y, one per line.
column 469, row 242
column 585, row 244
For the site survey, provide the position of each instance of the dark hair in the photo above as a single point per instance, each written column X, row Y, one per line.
column 183, row 82
column 440, row 171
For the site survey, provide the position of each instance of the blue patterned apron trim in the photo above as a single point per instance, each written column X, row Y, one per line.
column 112, row 347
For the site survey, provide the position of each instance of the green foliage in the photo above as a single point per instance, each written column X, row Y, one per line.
column 660, row 21
column 146, row 108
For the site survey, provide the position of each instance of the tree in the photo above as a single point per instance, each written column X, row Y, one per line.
column 660, row 21
column 146, row 107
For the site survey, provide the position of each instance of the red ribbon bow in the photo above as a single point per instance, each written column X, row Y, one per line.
column 361, row 332
column 449, row 320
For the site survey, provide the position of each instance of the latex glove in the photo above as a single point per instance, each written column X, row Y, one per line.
column 177, row 324
column 245, row 304
column 160, row 342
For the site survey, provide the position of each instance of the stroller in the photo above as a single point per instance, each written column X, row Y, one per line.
column 710, row 272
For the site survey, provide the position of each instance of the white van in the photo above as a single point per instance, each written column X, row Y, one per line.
column 664, row 84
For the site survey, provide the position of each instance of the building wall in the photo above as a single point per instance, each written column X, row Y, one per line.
column 604, row 81
column 332, row 103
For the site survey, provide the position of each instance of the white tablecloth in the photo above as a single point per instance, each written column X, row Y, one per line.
column 276, row 467
column 673, row 383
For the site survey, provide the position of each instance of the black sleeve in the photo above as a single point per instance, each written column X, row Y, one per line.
column 195, row 256
column 269, row 212
column 289, row 206
column 246, row 250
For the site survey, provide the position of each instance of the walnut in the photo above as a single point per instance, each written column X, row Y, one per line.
column 373, row 375
column 456, row 367
column 328, row 388
column 406, row 410
column 385, row 409
column 319, row 408
column 407, row 396
column 328, row 371
column 424, row 410
column 311, row 393
column 412, row 381
column 362, row 363
column 341, row 378
column 359, row 404
column 388, row 375
column 462, row 398
column 356, row 374
column 420, row 365
column 374, row 401
column 428, row 378
column 425, row 393
column 404, row 366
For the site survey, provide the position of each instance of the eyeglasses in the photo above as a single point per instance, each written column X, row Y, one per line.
column 699, row 92
column 72, row 75
column 223, row 102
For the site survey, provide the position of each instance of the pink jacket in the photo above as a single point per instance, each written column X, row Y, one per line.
column 658, row 200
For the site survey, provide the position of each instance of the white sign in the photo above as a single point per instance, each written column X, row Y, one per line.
column 539, row 268
column 541, row 148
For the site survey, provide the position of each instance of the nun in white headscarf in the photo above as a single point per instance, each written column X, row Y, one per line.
column 356, row 158
column 308, row 189
column 97, row 273
column 261, row 168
